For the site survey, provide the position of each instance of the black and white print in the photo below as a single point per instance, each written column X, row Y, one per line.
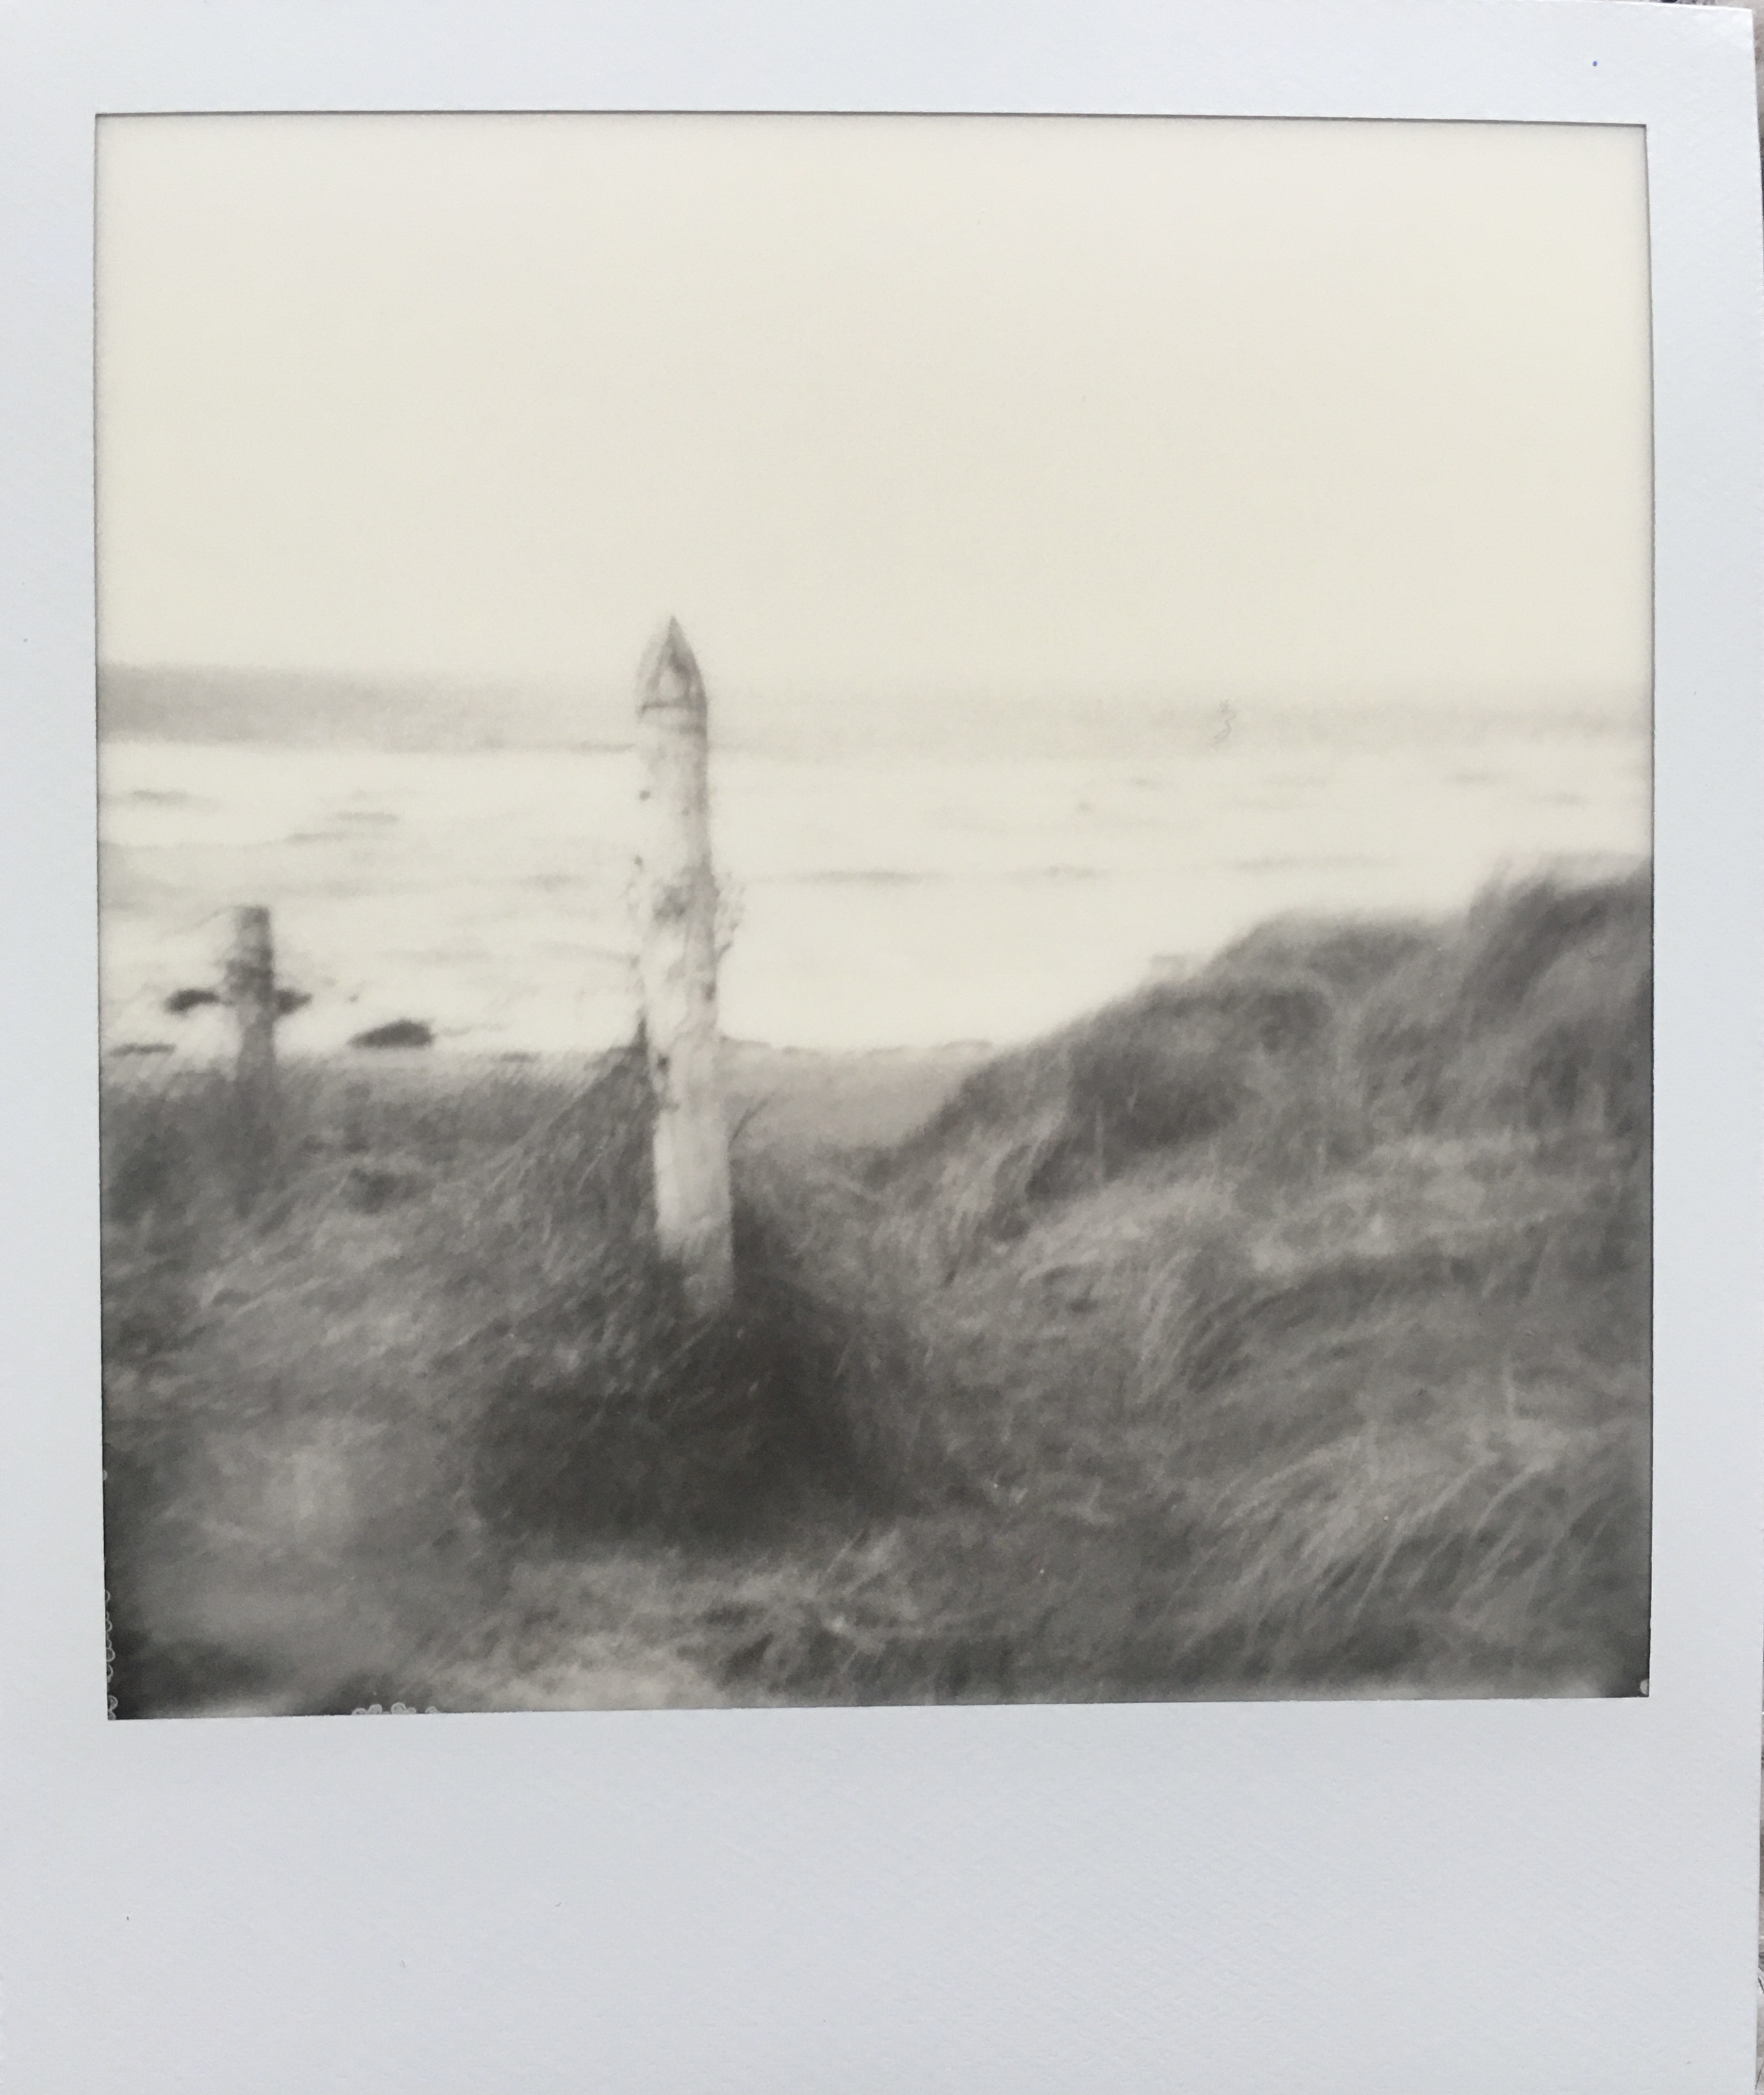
column 877, row 910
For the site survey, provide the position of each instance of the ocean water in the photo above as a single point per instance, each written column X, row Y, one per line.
column 881, row 900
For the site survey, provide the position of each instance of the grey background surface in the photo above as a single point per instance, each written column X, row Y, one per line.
column 1363, row 1897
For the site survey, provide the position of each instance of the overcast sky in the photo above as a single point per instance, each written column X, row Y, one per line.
column 930, row 407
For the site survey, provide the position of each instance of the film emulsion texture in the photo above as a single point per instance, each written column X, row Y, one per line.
column 877, row 910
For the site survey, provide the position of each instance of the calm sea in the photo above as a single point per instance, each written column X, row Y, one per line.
column 875, row 901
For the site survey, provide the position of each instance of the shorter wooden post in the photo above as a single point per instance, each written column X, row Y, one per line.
column 677, row 961
column 250, row 991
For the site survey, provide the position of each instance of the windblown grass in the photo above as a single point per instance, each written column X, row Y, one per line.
column 1285, row 1329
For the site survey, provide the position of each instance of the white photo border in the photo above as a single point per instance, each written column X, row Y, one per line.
column 1378, row 1897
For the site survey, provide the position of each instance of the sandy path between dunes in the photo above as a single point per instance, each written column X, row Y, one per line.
column 334, row 1646
column 305, row 1602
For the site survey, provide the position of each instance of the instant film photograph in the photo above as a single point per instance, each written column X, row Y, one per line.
column 877, row 910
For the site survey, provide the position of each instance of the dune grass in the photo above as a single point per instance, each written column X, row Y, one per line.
column 1284, row 1330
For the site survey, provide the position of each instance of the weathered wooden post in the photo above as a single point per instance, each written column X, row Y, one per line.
column 677, row 961
column 250, row 991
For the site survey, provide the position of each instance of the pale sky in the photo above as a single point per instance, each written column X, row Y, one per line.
column 877, row 406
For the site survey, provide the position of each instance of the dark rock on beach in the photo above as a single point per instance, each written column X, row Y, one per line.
column 398, row 1033
column 181, row 1000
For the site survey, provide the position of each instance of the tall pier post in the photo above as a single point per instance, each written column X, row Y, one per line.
column 677, row 901
column 250, row 991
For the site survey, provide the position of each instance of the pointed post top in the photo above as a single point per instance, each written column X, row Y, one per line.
column 669, row 677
